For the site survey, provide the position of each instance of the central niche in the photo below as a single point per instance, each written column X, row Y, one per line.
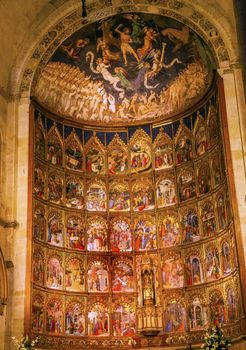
column 132, row 231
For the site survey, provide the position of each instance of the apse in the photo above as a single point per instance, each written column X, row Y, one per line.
column 133, row 235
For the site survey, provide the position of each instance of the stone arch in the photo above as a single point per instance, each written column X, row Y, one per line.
column 68, row 20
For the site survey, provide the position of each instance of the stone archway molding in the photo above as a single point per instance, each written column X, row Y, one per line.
column 23, row 84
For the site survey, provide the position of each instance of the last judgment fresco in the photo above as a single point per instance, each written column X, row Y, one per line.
column 133, row 233
column 130, row 68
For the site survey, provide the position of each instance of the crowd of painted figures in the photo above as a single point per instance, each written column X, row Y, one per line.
column 102, row 200
column 128, row 68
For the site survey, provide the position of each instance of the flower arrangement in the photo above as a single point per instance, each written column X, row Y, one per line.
column 25, row 343
column 215, row 340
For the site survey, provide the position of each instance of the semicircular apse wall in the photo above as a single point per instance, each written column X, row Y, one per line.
column 133, row 239
column 133, row 232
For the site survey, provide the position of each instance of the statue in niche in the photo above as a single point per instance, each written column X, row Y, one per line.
column 148, row 287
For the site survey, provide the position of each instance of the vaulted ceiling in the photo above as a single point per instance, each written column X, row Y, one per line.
column 21, row 21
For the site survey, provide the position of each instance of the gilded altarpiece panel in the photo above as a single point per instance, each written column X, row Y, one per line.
column 120, row 234
column 163, row 151
column 140, row 152
column 133, row 231
column 54, row 314
column 95, row 157
column 37, row 317
column 74, row 273
column 75, row 316
column 39, row 139
column 117, row 157
column 98, row 317
column 54, row 147
column 123, row 317
column 75, row 232
column 98, row 279
column 73, row 152
column 169, row 229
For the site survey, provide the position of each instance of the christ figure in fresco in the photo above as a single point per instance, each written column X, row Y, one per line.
column 125, row 38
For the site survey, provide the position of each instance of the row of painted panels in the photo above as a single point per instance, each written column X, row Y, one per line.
column 122, row 233
column 138, row 154
column 101, row 274
column 100, row 316
column 138, row 195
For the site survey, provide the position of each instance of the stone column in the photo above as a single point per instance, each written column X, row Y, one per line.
column 16, row 183
column 234, row 130
column 240, row 15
